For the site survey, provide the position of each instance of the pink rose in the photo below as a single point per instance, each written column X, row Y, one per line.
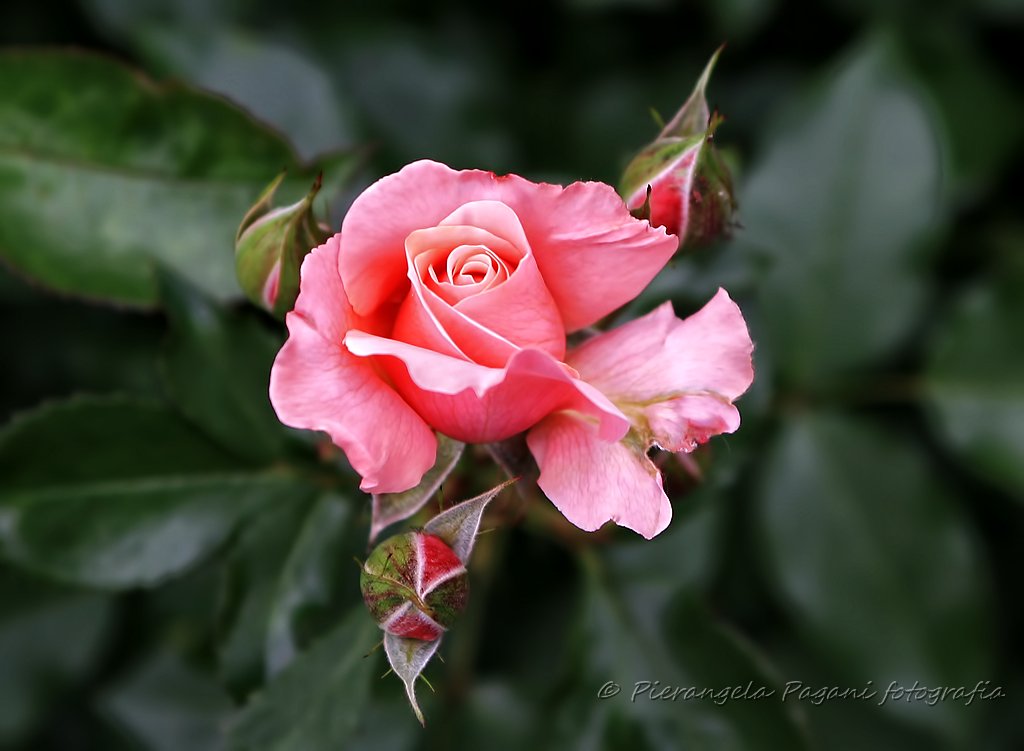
column 444, row 303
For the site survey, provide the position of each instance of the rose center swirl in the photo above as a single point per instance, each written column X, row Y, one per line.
column 457, row 261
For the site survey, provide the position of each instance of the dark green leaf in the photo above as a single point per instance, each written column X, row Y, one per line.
column 316, row 702
column 682, row 556
column 251, row 575
column 117, row 493
column 837, row 207
column 168, row 706
column 676, row 647
column 55, row 348
column 876, row 563
column 982, row 111
column 37, row 656
column 493, row 715
column 138, row 171
column 279, row 83
column 975, row 383
column 218, row 366
column 292, row 570
column 313, row 578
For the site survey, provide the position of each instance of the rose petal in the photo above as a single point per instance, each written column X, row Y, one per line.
column 593, row 255
column 426, row 247
column 520, row 310
column 683, row 424
column 418, row 196
column 659, row 354
column 478, row 404
column 592, row 481
column 427, row 321
column 318, row 385
column 490, row 326
column 496, row 217
column 682, row 375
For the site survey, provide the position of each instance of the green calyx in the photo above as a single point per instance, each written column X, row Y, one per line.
column 270, row 245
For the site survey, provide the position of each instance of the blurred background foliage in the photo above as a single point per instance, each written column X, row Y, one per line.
column 177, row 568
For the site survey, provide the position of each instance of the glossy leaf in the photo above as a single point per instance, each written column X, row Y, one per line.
column 37, row 657
column 630, row 653
column 316, row 574
column 876, row 562
column 69, row 347
column 278, row 82
column 317, row 701
column 975, row 383
column 249, row 587
column 168, row 706
column 285, row 581
column 837, row 209
column 140, row 171
column 118, row 493
column 217, row 365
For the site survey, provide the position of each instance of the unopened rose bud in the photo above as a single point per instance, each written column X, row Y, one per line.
column 270, row 245
column 414, row 585
column 690, row 186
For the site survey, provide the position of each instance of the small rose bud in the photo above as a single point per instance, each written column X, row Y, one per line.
column 414, row 585
column 679, row 181
column 271, row 244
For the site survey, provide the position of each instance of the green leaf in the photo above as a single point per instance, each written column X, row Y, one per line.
column 876, row 563
column 250, row 582
column 57, row 347
column 37, row 656
column 286, row 576
column 280, row 83
column 118, row 493
column 316, row 702
column 217, row 365
column 982, row 109
column 646, row 650
column 838, row 206
column 681, row 556
column 140, row 171
column 168, row 706
column 316, row 575
column 975, row 383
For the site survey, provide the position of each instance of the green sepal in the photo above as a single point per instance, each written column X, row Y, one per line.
column 271, row 244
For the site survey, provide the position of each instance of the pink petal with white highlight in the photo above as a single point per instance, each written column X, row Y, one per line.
column 478, row 404
column 593, row 481
column 317, row 384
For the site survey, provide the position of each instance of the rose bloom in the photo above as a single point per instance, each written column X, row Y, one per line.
column 444, row 303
